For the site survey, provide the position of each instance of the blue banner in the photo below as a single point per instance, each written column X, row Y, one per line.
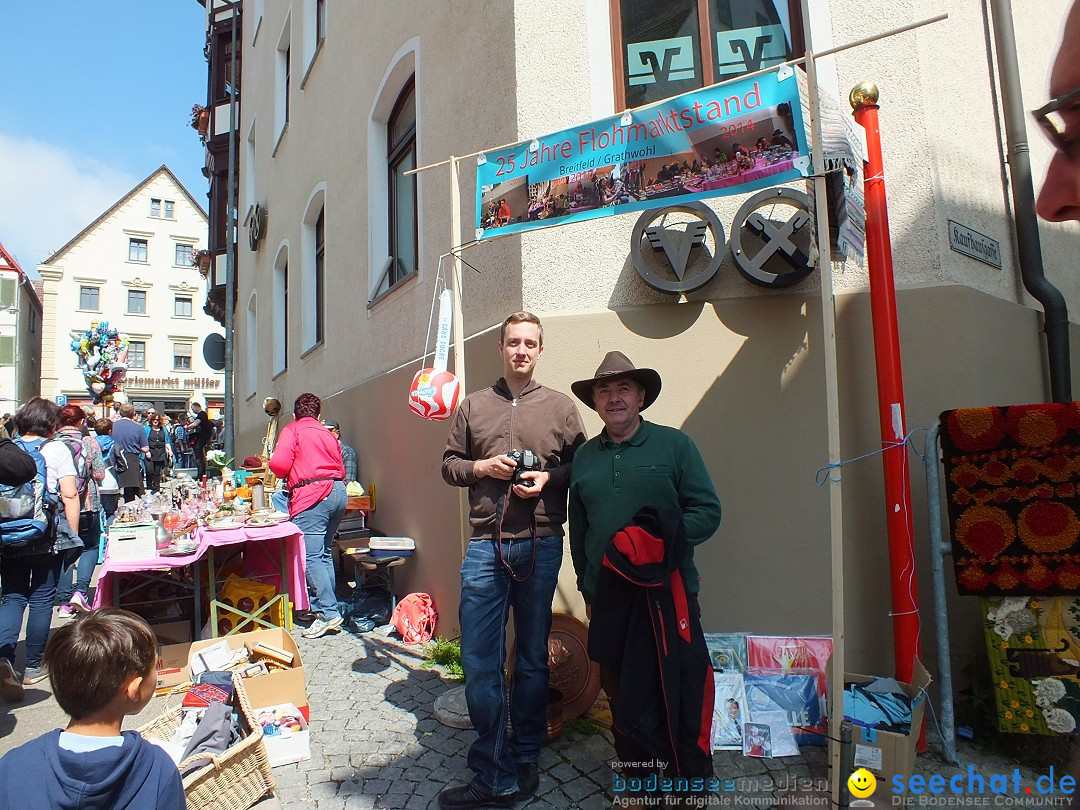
column 733, row 138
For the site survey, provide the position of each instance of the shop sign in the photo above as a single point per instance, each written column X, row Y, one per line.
column 740, row 136
column 183, row 383
column 971, row 243
column 771, row 247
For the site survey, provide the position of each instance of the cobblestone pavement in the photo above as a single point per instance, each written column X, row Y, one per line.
column 377, row 744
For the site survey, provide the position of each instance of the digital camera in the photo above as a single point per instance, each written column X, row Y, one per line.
column 527, row 461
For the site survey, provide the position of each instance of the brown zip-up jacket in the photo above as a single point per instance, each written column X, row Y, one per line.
column 491, row 422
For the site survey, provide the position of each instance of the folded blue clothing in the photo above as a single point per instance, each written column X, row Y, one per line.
column 872, row 706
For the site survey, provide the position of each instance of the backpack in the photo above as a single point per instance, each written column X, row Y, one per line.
column 414, row 618
column 83, row 471
column 27, row 512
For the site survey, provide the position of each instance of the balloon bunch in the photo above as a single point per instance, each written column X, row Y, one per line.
column 103, row 354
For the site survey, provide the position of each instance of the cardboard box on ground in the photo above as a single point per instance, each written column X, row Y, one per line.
column 887, row 753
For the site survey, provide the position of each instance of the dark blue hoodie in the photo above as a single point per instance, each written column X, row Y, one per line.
column 134, row 776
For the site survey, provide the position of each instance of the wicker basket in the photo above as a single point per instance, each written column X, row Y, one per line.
column 233, row 780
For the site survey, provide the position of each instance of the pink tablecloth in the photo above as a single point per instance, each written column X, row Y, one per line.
column 294, row 552
column 748, row 177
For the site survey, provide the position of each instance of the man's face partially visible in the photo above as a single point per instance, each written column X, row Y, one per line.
column 1059, row 198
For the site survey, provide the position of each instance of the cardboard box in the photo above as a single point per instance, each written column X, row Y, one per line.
column 132, row 543
column 172, row 666
column 280, row 686
column 888, row 753
column 169, row 633
column 284, row 745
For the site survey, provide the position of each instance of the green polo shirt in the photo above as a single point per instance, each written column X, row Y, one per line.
column 657, row 466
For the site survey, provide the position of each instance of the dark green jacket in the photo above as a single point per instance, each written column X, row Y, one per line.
column 658, row 466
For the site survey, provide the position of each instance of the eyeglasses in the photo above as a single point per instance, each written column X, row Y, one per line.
column 1051, row 118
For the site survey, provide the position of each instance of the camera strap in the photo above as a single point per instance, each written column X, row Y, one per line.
column 500, row 513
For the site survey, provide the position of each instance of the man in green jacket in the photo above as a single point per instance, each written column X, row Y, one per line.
column 632, row 464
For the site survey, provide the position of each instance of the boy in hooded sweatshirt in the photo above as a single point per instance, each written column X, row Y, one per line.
column 101, row 669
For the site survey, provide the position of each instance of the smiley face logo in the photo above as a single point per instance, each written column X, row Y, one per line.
column 862, row 783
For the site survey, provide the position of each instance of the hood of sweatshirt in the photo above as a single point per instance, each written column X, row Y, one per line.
column 108, row 777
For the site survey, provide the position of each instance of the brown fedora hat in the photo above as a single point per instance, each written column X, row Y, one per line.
column 617, row 364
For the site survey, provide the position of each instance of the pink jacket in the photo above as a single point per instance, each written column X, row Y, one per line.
column 305, row 450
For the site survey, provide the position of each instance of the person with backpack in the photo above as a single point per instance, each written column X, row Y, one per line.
column 31, row 560
column 109, row 487
column 89, row 471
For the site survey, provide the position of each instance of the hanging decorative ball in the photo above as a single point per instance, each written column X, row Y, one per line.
column 434, row 394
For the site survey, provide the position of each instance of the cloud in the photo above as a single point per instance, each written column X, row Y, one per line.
column 49, row 194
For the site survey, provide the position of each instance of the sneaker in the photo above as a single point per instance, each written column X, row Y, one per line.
column 11, row 689
column 78, row 601
column 467, row 796
column 528, row 779
column 34, row 674
column 66, row 612
column 320, row 628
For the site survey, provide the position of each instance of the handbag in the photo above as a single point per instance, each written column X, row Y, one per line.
column 414, row 618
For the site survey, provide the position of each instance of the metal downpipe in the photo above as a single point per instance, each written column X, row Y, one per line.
column 1028, row 246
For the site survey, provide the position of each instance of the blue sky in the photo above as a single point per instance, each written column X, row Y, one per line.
column 91, row 109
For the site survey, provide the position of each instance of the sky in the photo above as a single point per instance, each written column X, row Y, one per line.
column 92, row 109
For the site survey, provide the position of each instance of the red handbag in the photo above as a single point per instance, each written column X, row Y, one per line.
column 414, row 618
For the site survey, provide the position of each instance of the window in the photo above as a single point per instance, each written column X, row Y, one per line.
column 282, row 78
column 280, row 317
column 320, row 276
column 33, row 320
column 660, row 49
column 136, row 302
column 182, row 306
column 169, row 209
column 401, row 156
column 7, row 350
column 251, row 357
column 155, row 207
column 320, row 20
column 288, row 64
column 89, row 298
column 137, row 250
column 137, row 354
column 8, row 288
column 181, row 359
column 182, row 257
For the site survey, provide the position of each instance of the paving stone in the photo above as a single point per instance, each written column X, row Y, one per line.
column 563, row 772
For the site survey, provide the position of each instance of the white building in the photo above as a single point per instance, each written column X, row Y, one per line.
column 20, row 335
column 339, row 100
column 132, row 267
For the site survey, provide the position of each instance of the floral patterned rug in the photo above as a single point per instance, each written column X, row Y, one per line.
column 1034, row 650
column 1012, row 481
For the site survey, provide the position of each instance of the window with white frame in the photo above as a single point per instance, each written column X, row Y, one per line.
column 314, row 32
column 9, row 287
column 251, row 336
column 320, row 276
column 401, row 201
column 7, row 350
column 170, row 209
column 182, row 306
column 90, row 298
column 137, row 354
column 313, row 293
column 136, row 303
column 182, row 254
column 155, row 206
column 181, row 357
column 137, row 250
column 281, row 312
column 283, row 77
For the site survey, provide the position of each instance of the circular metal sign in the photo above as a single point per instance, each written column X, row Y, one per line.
column 784, row 258
column 677, row 247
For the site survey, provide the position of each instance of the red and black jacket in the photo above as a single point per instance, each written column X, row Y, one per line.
column 643, row 628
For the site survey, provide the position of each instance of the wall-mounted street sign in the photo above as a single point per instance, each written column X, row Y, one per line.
column 677, row 244
column 977, row 245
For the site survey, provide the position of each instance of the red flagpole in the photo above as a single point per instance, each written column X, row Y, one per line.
column 890, row 384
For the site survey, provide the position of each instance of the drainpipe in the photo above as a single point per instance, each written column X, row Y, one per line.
column 1029, row 249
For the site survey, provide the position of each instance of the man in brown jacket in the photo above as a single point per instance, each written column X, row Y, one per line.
column 511, row 445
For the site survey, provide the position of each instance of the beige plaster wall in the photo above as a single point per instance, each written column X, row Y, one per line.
column 745, row 380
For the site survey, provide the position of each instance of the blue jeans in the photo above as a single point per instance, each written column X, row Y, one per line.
column 487, row 594
column 27, row 581
column 90, row 534
column 319, row 523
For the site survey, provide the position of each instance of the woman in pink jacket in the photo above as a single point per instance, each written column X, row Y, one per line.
column 308, row 458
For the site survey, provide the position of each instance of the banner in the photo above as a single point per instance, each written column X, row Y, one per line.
column 733, row 138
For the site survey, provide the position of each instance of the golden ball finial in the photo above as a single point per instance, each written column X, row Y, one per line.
column 862, row 94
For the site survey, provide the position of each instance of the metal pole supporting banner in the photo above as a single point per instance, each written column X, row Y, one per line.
column 890, row 384
column 230, row 244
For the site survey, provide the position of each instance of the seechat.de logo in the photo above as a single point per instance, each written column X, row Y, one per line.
column 862, row 784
